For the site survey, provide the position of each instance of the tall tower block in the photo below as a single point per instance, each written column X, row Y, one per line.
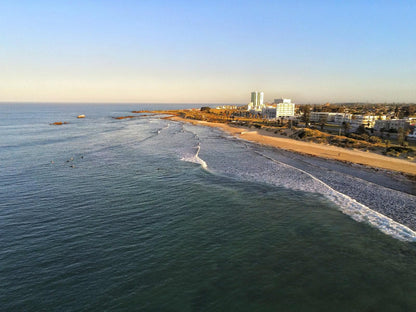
column 254, row 99
column 260, row 98
column 257, row 100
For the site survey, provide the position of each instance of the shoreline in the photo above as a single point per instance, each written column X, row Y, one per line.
column 368, row 159
column 380, row 188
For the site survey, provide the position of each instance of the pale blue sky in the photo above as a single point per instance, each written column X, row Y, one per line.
column 207, row 51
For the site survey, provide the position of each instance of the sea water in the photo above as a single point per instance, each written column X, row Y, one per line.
column 148, row 214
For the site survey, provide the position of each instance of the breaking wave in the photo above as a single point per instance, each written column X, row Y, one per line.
column 195, row 158
column 354, row 209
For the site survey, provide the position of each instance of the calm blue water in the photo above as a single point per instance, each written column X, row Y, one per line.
column 149, row 214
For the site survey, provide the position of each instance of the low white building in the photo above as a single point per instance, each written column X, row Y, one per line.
column 269, row 112
column 226, row 107
column 285, row 109
column 367, row 121
column 318, row 116
column 395, row 124
column 336, row 118
column 340, row 118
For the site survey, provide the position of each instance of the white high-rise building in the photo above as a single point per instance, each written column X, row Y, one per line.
column 254, row 98
column 256, row 101
column 261, row 98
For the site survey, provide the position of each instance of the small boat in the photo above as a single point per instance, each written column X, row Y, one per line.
column 81, row 116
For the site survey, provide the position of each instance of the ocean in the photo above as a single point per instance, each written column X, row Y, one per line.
column 149, row 214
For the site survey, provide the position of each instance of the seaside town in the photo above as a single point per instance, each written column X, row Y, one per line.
column 383, row 120
column 388, row 129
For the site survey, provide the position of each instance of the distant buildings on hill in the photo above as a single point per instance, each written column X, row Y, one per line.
column 226, row 107
column 380, row 122
column 284, row 108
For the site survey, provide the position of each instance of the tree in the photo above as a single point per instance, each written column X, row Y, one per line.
column 360, row 130
column 322, row 121
column 306, row 117
column 401, row 135
column 347, row 126
column 411, row 110
column 227, row 113
column 396, row 111
column 387, row 142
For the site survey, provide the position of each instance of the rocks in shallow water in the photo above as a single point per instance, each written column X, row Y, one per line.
column 125, row 117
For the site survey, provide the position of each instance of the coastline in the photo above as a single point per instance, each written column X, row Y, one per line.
column 376, row 185
column 368, row 159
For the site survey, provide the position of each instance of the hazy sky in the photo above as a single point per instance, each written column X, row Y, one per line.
column 207, row 51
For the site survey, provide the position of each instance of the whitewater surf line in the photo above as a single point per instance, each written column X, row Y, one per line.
column 358, row 211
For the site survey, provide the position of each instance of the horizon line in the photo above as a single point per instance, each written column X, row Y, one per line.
column 194, row 103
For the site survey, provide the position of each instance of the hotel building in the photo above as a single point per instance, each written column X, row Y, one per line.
column 285, row 108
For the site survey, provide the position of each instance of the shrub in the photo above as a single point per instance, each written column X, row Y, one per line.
column 362, row 137
column 374, row 139
column 301, row 134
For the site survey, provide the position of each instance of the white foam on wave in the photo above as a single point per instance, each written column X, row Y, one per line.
column 195, row 158
column 356, row 210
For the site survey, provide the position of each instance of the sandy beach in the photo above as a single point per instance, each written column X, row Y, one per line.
column 319, row 150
